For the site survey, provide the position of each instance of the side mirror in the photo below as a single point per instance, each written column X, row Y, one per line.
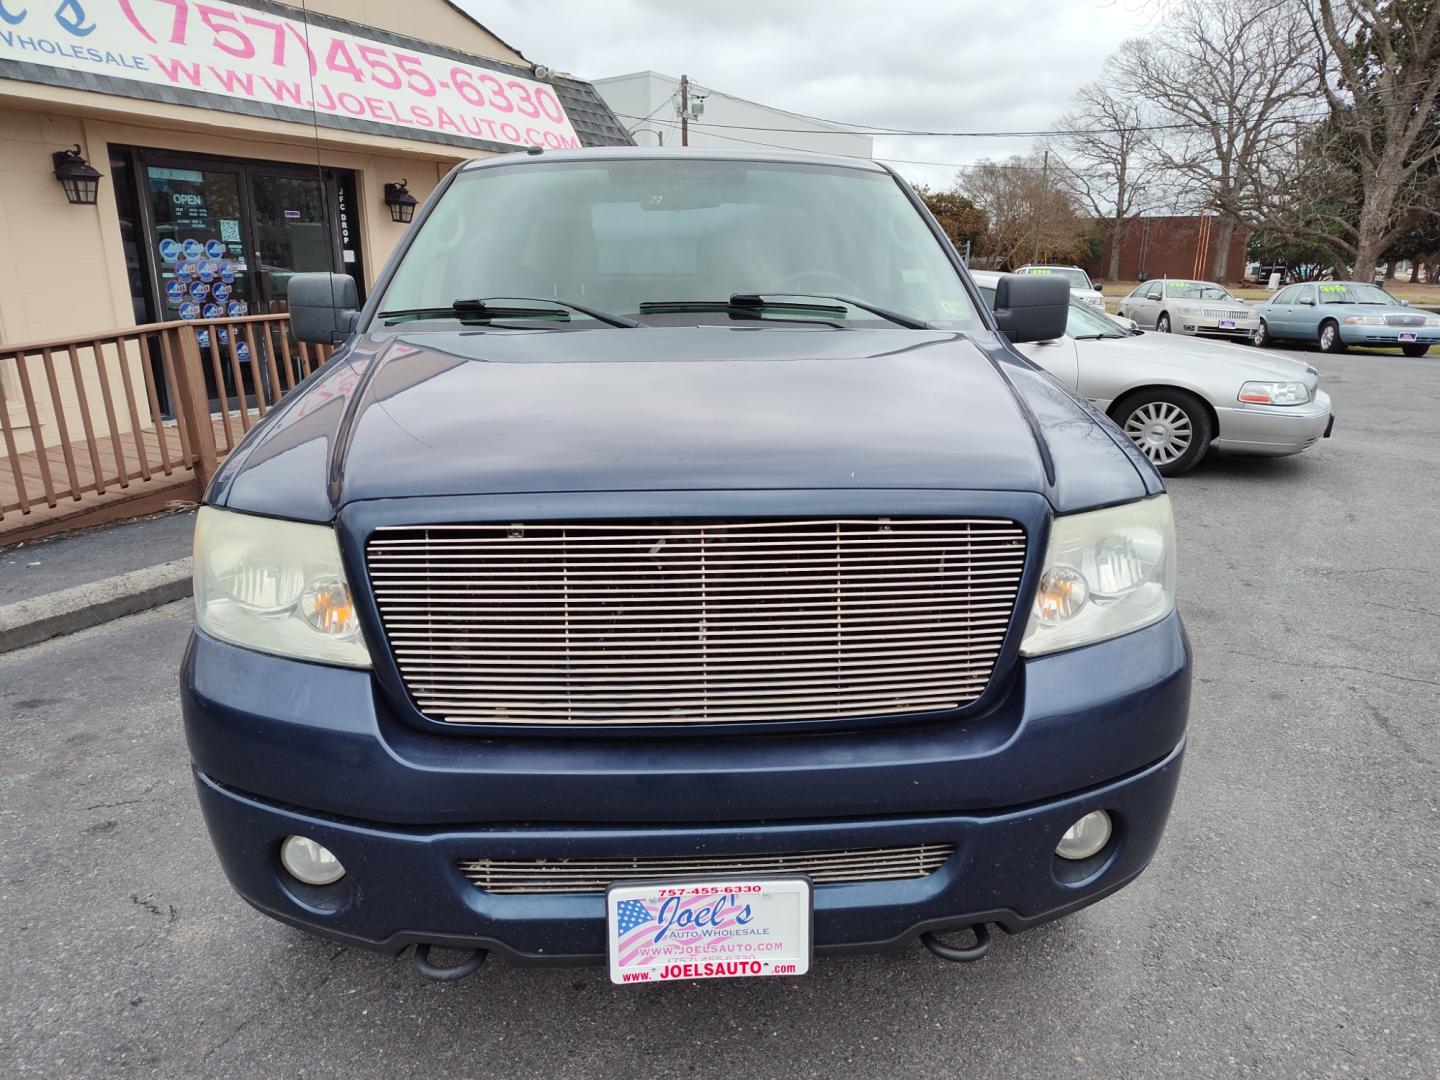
column 1032, row 308
column 1308, row 301
column 324, row 308
column 1404, row 303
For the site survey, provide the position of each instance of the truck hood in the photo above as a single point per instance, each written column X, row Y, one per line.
column 501, row 412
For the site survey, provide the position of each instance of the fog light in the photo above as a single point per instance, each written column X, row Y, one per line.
column 312, row 863
column 1085, row 838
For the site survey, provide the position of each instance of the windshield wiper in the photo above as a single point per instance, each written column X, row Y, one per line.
column 746, row 305
column 757, row 304
column 476, row 311
column 907, row 321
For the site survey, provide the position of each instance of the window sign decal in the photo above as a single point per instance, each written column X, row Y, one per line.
column 174, row 292
column 190, row 310
column 230, row 230
column 235, row 307
column 214, row 249
column 192, row 249
column 250, row 55
column 212, row 311
column 169, row 250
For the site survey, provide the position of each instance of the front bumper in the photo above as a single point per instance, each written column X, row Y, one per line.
column 403, row 886
column 1388, row 337
column 1274, row 430
column 1205, row 327
column 284, row 748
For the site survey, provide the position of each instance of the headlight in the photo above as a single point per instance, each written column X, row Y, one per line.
column 1433, row 320
column 275, row 586
column 1106, row 573
column 1364, row 320
column 1275, row 393
column 1188, row 309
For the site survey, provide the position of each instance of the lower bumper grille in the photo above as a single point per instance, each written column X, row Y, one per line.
column 596, row 875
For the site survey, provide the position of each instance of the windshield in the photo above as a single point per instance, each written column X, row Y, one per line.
column 1196, row 290
column 616, row 235
column 1353, row 292
column 1084, row 321
column 1076, row 277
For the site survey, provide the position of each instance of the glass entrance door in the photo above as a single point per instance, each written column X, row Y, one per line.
column 202, row 259
column 204, row 264
column 292, row 232
column 221, row 238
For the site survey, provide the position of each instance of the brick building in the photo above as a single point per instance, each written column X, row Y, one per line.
column 1173, row 246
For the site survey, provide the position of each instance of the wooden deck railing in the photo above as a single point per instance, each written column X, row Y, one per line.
column 108, row 416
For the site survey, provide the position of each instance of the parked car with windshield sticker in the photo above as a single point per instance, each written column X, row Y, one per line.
column 677, row 568
column 1203, row 308
column 1178, row 398
column 1079, row 281
column 1337, row 314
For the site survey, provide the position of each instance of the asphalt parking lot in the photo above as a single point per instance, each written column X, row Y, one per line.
column 1287, row 928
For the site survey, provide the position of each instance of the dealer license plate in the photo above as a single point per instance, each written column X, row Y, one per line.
column 665, row 931
column 1405, row 335
column 1227, row 324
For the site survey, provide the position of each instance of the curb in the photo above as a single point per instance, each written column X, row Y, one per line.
column 29, row 622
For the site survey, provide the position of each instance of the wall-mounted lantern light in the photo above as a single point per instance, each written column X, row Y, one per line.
column 78, row 177
column 400, row 201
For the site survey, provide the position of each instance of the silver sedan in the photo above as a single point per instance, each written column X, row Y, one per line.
column 1177, row 397
column 1204, row 308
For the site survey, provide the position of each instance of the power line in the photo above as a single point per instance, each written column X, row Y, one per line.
column 877, row 157
column 923, row 133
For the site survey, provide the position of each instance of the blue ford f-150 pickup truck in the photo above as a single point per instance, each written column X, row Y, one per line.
column 676, row 567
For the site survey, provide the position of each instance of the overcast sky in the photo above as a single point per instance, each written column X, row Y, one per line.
column 937, row 65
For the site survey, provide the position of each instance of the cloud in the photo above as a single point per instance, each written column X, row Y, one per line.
column 937, row 65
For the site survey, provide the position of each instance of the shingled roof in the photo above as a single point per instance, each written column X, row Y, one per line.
column 593, row 120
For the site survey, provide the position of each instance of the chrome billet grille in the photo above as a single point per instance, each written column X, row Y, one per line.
column 596, row 875
column 1223, row 313
column 1404, row 320
column 655, row 623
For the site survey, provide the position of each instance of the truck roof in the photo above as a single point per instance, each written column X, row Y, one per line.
column 659, row 153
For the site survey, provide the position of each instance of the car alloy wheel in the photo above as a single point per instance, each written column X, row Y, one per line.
column 1170, row 426
column 1260, row 336
column 1162, row 431
column 1162, row 325
column 1330, row 339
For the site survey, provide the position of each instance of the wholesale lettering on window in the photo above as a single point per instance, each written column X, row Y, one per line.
column 239, row 52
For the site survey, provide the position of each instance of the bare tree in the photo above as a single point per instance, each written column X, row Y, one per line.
column 1107, row 160
column 1379, row 68
column 1230, row 81
column 1028, row 213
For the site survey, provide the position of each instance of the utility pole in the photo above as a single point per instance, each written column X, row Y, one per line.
column 1043, row 201
column 684, row 110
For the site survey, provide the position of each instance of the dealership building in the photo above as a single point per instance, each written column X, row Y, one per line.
column 238, row 143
